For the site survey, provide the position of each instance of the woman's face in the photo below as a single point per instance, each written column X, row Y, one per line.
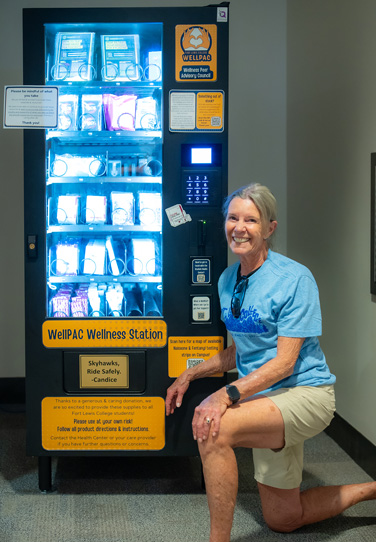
column 245, row 231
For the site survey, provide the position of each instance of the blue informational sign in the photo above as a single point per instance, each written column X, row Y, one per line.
column 201, row 271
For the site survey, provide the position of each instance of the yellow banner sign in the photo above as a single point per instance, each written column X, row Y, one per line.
column 103, row 423
column 186, row 352
column 66, row 333
column 196, row 52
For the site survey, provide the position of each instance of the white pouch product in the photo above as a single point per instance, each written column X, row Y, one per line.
column 67, row 259
column 91, row 115
column 96, row 210
column 122, row 208
column 95, row 257
column 146, row 114
column 150, row 208
column 68, row 112
column 143, row 251
column 67, row 209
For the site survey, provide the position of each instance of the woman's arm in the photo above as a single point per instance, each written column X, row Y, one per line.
column 219, row 363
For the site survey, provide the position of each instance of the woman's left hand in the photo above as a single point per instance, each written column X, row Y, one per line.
column 208, row 415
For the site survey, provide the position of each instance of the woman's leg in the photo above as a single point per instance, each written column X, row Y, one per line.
column 256, row 423
column 285, row 510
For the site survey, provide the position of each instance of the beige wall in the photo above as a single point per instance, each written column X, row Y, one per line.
column 331, row 133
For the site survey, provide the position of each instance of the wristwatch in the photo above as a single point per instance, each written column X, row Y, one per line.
column 233, row 393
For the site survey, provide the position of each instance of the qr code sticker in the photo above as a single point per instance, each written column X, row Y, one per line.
column 200, row 316
column 216, row 121
column 191, row 362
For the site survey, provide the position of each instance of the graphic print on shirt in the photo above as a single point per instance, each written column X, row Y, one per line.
column 248, row 322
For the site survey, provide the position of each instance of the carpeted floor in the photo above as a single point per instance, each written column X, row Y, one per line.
column 154, row 499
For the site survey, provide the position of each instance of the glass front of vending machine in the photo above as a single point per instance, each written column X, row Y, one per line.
column 104, row 172
column 123, row 227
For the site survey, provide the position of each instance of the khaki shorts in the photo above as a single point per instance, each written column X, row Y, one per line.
column 306, row 411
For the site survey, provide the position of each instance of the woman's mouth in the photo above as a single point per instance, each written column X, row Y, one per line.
column 240, row 239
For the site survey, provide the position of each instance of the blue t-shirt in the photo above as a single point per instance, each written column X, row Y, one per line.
column 281, row 299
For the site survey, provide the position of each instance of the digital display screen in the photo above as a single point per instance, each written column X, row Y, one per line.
column 201, row 155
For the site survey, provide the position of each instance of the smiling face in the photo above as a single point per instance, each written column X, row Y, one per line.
column 246, row 233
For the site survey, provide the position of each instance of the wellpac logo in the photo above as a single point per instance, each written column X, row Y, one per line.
column 196, row 43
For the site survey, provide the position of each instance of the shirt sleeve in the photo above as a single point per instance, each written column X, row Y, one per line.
column 300, row 314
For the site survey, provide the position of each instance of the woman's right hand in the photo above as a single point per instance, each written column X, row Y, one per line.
column 175, row 393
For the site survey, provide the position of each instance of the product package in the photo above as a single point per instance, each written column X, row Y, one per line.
column 79, row 303
column 114, row 298
column 96, row 296
column 68, row 112
column 95, row 257
column 122, row 208
column 146, row 114
column 68, row 165
column 116, row 256
column 67, row 209
column 60, row 303
column 120, row 57
column 153, row 70
column 91, row 112
column 150, row 208
column 74, row 53
column 67, row 258
column 143, row 257
column 119, row 111
column 96, row 210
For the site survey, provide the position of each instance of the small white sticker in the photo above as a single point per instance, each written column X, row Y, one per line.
column 200, row 309
column 222, row 15
column 177, row 216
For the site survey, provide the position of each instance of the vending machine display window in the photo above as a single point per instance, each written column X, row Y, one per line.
column 104, row 171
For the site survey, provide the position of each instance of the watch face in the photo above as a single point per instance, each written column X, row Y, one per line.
column 233, row 393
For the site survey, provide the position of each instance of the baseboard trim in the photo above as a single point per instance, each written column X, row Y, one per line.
column 360, row 449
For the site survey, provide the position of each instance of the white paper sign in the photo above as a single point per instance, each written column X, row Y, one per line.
column 30, row 107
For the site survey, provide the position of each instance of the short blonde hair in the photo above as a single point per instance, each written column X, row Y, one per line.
column 261, row 197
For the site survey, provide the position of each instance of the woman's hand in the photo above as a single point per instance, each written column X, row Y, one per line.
column 208, row 415
column 175, row 393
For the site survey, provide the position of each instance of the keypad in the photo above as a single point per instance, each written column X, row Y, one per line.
column 197, row 189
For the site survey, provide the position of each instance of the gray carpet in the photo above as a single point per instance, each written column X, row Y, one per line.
column 153, row 499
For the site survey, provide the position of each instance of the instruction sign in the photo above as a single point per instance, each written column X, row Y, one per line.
column 103, row 423
column 104, row 333
column 196, row 52
column 196, row 111
column 30, row 107
column 185, row 352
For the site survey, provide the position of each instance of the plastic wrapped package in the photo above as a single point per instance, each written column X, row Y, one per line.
column 96, row 210
column 67, row 209
column 67, row 258
column 122, row 208
column 143, row 257
column 150, row 208
column 68, row 165
column 119, row 111
column 91, row 112
column 146, row 114
column 95, row 257
column 114, row 298
column 68, row 112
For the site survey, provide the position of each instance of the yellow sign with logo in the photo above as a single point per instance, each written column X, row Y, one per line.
column 103, row 423
column 66, row 333
column 186, row 352
column 196, row 52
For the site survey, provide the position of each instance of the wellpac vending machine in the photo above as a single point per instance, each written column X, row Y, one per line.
column 125, row 176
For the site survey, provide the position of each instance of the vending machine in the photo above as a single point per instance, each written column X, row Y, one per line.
column 124, row 240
